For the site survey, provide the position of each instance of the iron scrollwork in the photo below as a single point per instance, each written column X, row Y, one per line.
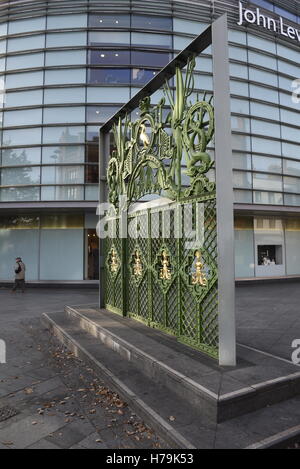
column 150, row 152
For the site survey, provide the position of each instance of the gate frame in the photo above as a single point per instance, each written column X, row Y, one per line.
column 216, row 36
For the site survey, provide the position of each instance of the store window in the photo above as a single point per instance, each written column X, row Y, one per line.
column 269, row 255
column 92, row 242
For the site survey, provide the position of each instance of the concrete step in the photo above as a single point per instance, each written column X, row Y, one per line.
column 218, row 393
column 156, row 401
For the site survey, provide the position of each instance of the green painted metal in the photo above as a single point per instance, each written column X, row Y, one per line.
column 161, row 280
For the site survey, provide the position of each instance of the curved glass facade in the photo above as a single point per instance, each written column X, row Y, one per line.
column 66, row 68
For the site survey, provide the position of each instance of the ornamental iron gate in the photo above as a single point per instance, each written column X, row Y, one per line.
column 162, row 257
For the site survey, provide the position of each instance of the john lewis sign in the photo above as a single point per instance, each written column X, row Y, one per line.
column 255, row 17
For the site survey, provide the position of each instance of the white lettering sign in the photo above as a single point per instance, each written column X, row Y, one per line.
column 257, row 18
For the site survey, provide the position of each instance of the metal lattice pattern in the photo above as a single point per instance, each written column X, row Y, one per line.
column 171, row 299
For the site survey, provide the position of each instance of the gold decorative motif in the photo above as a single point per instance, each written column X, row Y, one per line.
column 114, row 264
column 137, row 266
column 199, row 277
column 144, row 137
column 165, row 271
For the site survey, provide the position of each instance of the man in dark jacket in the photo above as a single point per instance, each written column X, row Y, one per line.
column 20, row 270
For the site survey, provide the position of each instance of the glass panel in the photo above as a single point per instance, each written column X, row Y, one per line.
column 237, row 70
column 20, row 176
column 262, row 145
column 262, row 60
column 109, row 21
column 107, row 95
column 289, row 117
column 288, row 53
column 22, row 136
column 92, row 174
column 291, row 167
column 92, row 192
column 259, row 92
column 25, row 242
column 244, row 253
column 66, row 115
column 65, row 77
column 62, row 193
column 289, row 69
column 286, row 100
column 25, row 61
column 238, row 53
column 141, row 76
column 292, row 238
column 290, row 150
column 272, row 165
column 21, row 80
column 242, row 161
column 21, row 156
column 242, row 179
column 192, row 27
column 22, row 194
column 64, row 95
column 3, row 47
column 291, row 185
column 108, row 76
column 152, row 59
column 263, row 110
column 243, row 197
column 152, row 22
column 290, row 199
column 62, row 221
column 263, row 77
column 92, row 154
column 181, row 43
column 63, row 135
column 92, row 134
column 98, row 38
column 268, row 198
column 25, row 98
column 59, row 155
column 265, row 128
column 74, row 57
column 240, row 124
column 63, row 175
column 261, row 44
column 26, row 26
column 290, row 133
column 66, row 39
column 236, row 87
column 268, row 182
column 26, row 43
column 66, row 260
column 241, row 142
column 109, row 57
column 158, row 40
column 101, row 113
column 66, row 21
column 3, row 29
column 16, row 118
column 238, row 37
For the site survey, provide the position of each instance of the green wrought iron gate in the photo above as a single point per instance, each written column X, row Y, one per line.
column 163, row 275
column 164, row 282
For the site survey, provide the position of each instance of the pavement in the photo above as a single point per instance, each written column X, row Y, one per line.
column 61, row 403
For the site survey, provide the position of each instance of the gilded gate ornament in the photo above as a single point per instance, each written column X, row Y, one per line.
column 151, row 162
column 199, row 277
column 137, row 265
column 165, row 271
column 114, row 263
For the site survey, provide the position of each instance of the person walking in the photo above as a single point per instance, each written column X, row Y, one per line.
column 20, row 270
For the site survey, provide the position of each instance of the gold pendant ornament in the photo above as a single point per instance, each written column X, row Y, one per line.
column 165, row 271
column 199, row 277
column 137, row 266
column 114, row 264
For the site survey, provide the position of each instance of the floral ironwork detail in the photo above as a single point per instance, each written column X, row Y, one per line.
column 199, row 276
column 149, row 152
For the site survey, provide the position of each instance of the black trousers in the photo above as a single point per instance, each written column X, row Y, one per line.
column 19, row 284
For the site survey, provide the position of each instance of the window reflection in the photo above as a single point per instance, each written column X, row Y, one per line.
column 108, row 76
column 100, row 113
column 152, row 59
column 20, row 176
column 109, row 21
column 152, row 22
column 98, row 38
column 109, row 57
column 92, row 154
column 68, row 154
column 142, row 76
column 21, row 156
column 92, row 174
